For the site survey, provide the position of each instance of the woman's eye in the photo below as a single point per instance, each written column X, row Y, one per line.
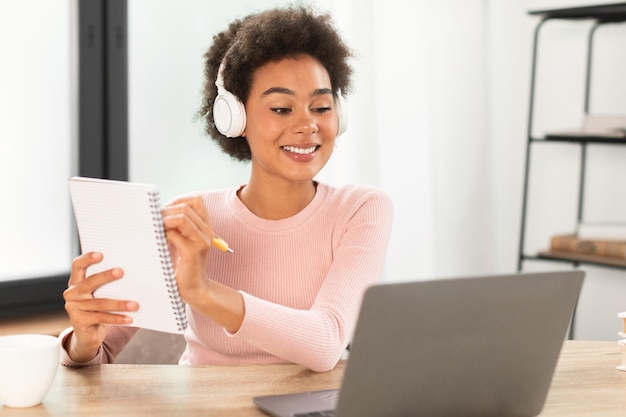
column 321, row 109
column 281, row 110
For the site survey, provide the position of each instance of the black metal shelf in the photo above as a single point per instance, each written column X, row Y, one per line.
column 590, row 140
column 601, row 14
column 614, row 12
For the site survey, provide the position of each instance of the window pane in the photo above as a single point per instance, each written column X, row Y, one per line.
column 36, row 130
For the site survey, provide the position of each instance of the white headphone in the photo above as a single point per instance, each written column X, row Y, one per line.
column 229, row 112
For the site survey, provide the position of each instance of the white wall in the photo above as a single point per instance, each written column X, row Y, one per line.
column 554, row 183
column 555, row 167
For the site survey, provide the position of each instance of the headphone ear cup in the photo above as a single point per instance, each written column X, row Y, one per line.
column 342, row 116
column 229, row 114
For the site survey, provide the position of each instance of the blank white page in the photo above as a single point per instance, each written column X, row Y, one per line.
column 122, row 220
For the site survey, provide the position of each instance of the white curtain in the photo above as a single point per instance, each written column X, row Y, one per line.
column 419, row 129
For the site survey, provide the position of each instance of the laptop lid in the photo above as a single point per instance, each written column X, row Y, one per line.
column 474, row 346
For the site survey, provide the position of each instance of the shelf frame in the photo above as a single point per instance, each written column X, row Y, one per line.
column 544, row 256
column 601, row 14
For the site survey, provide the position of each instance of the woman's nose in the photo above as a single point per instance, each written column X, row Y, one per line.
column 306, row 124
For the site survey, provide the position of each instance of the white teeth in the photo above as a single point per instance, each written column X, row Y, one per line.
column 301, row 151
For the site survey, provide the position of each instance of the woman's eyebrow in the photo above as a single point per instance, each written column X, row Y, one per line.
column 283, row 90
column 278, row 90
column 322, row 91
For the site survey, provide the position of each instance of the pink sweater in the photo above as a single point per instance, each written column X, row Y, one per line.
column 302, row 279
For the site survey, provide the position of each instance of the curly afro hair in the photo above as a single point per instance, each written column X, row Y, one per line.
column 269, row 36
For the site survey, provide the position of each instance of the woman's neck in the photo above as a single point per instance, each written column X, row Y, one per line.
column 277, row 201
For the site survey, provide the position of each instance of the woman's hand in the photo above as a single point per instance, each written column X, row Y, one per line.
column 91, row 316
column 190, row 236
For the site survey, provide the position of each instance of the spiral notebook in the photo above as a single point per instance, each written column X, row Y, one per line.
column 122, row 220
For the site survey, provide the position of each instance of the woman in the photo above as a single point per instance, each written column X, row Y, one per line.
column 304, row 252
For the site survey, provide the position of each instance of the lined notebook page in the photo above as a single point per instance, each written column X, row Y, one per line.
column 122, row 220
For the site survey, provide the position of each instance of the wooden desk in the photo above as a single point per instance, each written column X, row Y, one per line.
column 171, row 390
column 586, row 383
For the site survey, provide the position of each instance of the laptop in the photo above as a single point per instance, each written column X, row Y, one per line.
column 474, row 346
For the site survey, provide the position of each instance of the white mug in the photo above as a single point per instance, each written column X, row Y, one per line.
column 28, row 365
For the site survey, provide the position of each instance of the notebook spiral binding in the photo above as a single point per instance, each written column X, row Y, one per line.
column 166, row 261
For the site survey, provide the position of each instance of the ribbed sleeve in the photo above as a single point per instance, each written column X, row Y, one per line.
column 115, row 341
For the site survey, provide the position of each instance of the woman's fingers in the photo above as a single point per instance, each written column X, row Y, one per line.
column 90, row 316
column 80, row 265
column 86, row 313
column 79, row 300
column 106, row 305
column 83, row 288
column 194, row 203
column 187, row 219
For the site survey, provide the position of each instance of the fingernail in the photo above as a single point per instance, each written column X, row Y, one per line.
column 132, row 305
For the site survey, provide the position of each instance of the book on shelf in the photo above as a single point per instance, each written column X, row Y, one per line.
column 597, row 125
column 122, row 220
column 571, row 243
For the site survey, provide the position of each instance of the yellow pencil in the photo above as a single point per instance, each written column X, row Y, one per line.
column 221, row 245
